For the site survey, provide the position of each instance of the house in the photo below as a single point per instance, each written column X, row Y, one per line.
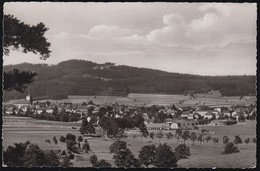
column 185, row 115
column 22, row 103
column 160, row 126
column 190, row 116
column 185, row 124
column 208, row 115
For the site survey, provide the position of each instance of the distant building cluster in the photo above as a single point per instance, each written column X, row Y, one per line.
column 155, row 117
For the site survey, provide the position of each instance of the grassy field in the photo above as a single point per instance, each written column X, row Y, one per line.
column 205, row 155
column 155, row 99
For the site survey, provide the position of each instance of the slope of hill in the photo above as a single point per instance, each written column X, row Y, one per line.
column 79, row 77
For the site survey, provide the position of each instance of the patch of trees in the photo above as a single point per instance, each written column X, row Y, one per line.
column 98, row 164
column 63, row 116
column 29, row 155
column 230, row 148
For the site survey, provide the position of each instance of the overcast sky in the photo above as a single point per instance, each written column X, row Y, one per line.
column 195, row 38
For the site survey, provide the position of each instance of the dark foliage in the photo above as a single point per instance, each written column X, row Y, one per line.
column 182, row 151
column 17, row 35
column 60, row 80
column 230, row 148
column 13, row 156
column 17, row 80
column 147, row 155
column 165, row 157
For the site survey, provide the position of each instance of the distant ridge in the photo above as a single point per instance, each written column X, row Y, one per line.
column 80, row 77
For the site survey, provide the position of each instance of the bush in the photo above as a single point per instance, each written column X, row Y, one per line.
column 165, row 157
column 230, row 148
column 66, row 162
column 182, row 151
column 238, row 140
column 51, row 158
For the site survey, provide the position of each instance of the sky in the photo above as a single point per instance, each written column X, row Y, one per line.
column 193, row 38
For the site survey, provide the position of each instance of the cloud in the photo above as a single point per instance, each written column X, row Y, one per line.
column 106, row 32
column 62, row 35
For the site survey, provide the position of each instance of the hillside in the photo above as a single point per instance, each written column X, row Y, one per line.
column 79, row 77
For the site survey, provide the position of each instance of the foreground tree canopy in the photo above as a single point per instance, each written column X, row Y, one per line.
column 18, row 35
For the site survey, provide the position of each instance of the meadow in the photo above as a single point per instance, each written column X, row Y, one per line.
column 206, row 155
column 156, row 99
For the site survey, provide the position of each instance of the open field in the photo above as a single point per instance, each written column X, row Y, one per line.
column 156, row 99
column 205, row 155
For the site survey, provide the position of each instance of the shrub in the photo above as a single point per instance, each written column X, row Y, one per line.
column 230, row 148
column 165, row 157
column 238, row 140
column 182, row 151
column 147, row 155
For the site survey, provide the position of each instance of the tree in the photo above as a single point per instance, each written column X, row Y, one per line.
column 247, row 141
column 122, row 155
column 62, row 139
column 159, row 135
column 151, row 134
column 185, row 135
column 71, row 137
column 117, row 145
column 125, row 158
column 215, row 140
column 34, row 156
column 86, row 147
column 208, row 138
column 165, row 157
column 103, row 164
column 51, row 158
column 95, row 163
column 17, row 35
column 143, row 130
column 200, row 138
column 55, row 140
column 109, row 125
column 80, row 139
column 254, row 140
column 66, row 162
column 225, row 139
column 178, row 134
column 193, row 137
column 230, row 148
column 182, row 151
column 169, row 135
column 31, row 39
column 17, row 80
column 13, row 156
column 237, row 140
column 147, row 155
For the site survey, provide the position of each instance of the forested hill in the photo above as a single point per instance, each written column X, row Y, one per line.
column 79, row 77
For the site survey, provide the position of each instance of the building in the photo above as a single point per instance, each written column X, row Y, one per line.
column 158, row 126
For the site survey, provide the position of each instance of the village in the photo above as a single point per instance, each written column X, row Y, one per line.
column 156, row 117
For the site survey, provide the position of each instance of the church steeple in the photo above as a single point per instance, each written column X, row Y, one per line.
column 29, row 97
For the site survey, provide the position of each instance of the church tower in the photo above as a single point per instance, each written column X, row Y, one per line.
column 29, row 97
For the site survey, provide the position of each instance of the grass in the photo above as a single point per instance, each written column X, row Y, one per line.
column 154, row 99
column 205, row 155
